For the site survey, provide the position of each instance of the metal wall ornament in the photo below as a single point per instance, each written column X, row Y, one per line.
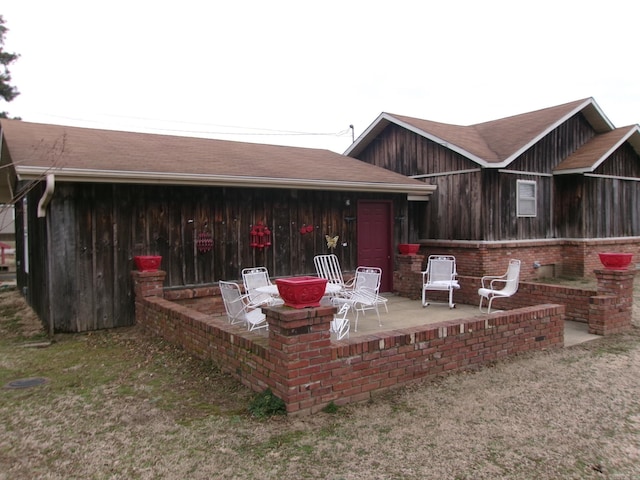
column 204, row 242
column 332, row 242
column 306, row 229
column 260, row 236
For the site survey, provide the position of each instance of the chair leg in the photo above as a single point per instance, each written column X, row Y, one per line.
column 425, row 302
column 489, row 300
column 489, row 306
column 481, row 301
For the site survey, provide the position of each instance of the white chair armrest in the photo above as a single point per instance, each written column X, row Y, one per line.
column 488, row 278
column 496, row 280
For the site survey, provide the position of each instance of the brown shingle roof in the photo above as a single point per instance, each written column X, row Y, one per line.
column 588, row 157
column 493, row 143
column 104, row 155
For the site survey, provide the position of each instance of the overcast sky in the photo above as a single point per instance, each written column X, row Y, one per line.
column 299, row 73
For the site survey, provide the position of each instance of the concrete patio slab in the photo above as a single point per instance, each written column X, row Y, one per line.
column 404, row 312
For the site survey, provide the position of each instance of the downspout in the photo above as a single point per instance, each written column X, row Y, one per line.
column 46, row 196
column 42, row 212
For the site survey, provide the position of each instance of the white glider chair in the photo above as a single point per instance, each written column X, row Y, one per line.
column 440, row 275
column 255, row 277
column 328, row 266
column 340, row 324
column 239, row 309
column 501, row 286
column 364, row 295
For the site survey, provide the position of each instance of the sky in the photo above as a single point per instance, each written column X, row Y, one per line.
column 301, row 73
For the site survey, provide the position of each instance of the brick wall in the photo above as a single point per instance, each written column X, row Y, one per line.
column 607, row 314
column 302, row 365
column 554, row 257
column 610, row 311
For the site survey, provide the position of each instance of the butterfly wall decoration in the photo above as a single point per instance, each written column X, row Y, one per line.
column 332, row 242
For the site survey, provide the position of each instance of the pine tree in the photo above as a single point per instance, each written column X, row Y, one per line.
column 7, row 91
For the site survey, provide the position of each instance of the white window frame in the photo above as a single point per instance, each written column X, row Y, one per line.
column 527, row 198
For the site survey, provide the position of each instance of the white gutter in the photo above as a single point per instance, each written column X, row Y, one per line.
column 116, row 176
column 46, row 196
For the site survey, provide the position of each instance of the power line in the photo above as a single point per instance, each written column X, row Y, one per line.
column 261, row 131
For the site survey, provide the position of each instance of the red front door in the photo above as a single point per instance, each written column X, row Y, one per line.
column 375, row 239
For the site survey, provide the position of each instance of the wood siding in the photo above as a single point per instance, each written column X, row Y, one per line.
column 407, row 153
column 554, row 147
column 601, row 206
column 482, row 204
column 452, row 211
column 95, row 230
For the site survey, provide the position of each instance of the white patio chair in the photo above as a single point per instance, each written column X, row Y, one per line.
column 364, row 295
column 328, row 266
column 501, row 286
column 340, row 324
column 239, row 309
column 440, row 275
column 253, row 278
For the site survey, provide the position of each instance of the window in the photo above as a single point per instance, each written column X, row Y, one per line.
column 526, row 198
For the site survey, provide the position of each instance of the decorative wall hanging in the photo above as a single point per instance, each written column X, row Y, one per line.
column 204, row 242
column 332, row 242
column 306, row 229
column 260, row 236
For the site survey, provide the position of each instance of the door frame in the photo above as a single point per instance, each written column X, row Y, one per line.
column 387, row 268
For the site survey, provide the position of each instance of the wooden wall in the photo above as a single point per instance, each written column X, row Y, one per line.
column 452, row 211
column 95, row 230
column 481, row 204
column 602, row 206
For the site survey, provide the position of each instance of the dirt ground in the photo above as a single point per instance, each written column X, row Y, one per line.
column 117, row 405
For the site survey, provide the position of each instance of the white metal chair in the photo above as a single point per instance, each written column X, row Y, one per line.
column 440, row 275
column 340, row 324
column 328, row 266
column 501, row 286
column 239, row 309
column 364, row 295
column 253, row 278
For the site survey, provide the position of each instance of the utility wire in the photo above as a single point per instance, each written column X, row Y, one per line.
column 263, row 131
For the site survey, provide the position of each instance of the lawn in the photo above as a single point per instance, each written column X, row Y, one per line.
column 119, row 405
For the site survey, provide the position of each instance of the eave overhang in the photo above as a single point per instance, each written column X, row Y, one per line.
column 155, row 178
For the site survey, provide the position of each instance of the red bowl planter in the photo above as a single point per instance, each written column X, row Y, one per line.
column 147, row 263
column 301, row 292
column 408, row 248
column 615, row 261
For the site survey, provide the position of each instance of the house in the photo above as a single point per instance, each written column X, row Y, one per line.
column 551, row 187
column 87, row 201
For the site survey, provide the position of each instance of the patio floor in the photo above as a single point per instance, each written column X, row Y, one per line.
column 404, row 312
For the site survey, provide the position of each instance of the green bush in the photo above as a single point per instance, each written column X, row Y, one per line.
column 330, row 408
column 266, row 404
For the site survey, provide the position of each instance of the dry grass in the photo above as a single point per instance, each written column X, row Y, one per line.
column 118, row 406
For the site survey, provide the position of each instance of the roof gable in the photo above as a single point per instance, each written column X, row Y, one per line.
column 495, row 143
column 591, row 155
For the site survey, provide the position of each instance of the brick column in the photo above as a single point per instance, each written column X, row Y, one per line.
column 148, row 284
column 300, row 349
column 610, row 311
column 407, row 279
